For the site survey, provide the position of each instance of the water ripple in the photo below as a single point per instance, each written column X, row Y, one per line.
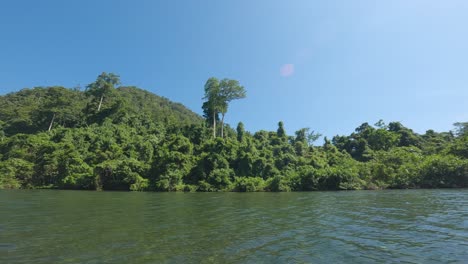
column 413, row 226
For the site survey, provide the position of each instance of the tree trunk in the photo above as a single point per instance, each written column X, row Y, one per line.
column 100, row 103
column 214, row 124
column 51, row 122
column 222, row 125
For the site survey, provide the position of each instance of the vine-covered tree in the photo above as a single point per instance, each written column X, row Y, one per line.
column 281, row 132
column 240, row 132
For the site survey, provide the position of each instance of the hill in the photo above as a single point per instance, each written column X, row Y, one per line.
column 31, row 110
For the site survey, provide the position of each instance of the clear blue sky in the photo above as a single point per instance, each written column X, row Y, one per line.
column 327, row 65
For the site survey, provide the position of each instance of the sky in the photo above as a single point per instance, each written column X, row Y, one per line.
column 328, row 65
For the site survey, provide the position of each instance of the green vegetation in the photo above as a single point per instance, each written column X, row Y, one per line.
column 124, row 138
column 218, row 95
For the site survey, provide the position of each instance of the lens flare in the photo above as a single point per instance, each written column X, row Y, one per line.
column 287, row 70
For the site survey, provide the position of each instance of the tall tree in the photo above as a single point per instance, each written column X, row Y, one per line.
column 213, row 100
column 240, row 131
column 281, row 132
column 461, row 128
column 103, row 85
column 230, row 90
column 218, row 94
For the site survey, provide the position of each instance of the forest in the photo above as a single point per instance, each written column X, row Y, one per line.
column 112, row 137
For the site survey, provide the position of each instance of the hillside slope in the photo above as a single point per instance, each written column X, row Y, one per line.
column 31, row 110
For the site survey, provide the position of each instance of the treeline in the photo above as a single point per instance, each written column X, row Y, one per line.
column 108, row 137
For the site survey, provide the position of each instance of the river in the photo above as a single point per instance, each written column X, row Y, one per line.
column 403, row 226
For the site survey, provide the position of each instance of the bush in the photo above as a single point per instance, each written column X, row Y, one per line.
column 444, row 171
column 248, row 184
column 278, row 184
column 16, row 173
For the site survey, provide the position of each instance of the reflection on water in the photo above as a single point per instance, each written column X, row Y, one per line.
column 409, row 226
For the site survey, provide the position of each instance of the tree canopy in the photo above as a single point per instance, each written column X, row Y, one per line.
column 218, row 94
column 55, row 137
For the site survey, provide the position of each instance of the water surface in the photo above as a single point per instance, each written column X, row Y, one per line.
column 403, row 226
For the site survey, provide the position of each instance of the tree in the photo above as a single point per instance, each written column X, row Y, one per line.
column 380, row 124
column 230, row 90
column 240, row 131
column 213, row 101
column 212, row 117
column 305, row 135
column 59, row 106
column 461, row 128
column 281, row 132
column 218, row 94
column 103, row 85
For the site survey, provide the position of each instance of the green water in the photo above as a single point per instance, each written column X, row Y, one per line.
column 406, row 226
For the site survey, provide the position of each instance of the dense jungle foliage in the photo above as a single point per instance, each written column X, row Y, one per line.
column 110, row 137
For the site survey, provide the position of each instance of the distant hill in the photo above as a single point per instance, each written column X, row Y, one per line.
column 31, row 110
column 158, row 108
